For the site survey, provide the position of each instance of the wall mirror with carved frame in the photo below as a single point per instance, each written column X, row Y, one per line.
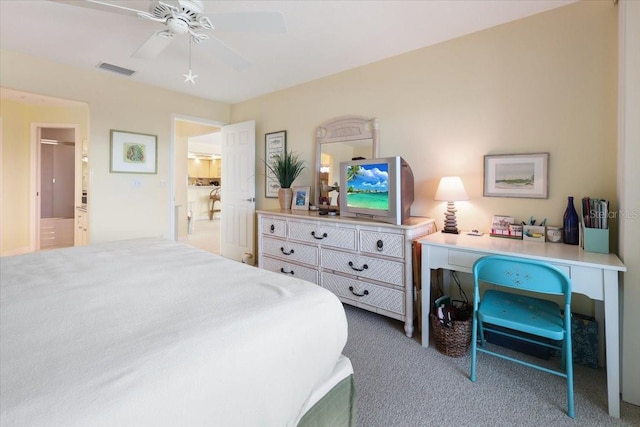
column 337, row 140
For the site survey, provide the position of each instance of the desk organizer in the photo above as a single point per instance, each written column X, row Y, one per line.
column 533, row 233
column 513, row 231
column 596, row 240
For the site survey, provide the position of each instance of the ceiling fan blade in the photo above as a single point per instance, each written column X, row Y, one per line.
column 101, row 5
column 222, row 52
column 153, row 46
column 256, row 22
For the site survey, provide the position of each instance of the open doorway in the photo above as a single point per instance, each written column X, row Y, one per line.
column 55, row 186
column 198, row 159
column 204, row 209
column 237, row 207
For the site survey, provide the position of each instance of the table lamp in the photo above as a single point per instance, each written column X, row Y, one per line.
column 451, row 190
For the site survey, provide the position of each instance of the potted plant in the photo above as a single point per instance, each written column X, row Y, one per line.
column 286, row 167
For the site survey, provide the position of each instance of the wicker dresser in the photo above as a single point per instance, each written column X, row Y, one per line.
column 366, row 264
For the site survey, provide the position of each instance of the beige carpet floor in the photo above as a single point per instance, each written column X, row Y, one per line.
column 205, row 235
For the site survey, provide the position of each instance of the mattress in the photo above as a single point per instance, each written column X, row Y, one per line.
column 154, row 332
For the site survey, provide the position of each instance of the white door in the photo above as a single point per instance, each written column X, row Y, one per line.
column 238, row 191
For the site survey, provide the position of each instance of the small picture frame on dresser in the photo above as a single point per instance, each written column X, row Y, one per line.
column 300, row 198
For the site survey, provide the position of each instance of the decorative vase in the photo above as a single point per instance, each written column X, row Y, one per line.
column 285, row 197
column 570, row 224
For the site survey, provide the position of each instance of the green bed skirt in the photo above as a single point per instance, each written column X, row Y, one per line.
column 336, row 409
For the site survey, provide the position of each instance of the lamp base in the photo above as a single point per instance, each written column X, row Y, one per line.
column 450, row 222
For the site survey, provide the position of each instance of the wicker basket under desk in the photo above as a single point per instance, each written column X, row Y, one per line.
column 454, row 341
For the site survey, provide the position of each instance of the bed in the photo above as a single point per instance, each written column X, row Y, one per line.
column 151, row 332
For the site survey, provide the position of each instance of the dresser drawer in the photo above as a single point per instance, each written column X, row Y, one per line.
column 391, row 272
column 289, row 269
column 274, row 227
column 361, row 292
column 337, row 237
column 380, row 243
column 290, row 251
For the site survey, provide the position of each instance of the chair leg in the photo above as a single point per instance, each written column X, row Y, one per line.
column 474, row 345
column 569, row 370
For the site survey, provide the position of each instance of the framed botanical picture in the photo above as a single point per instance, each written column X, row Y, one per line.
column 274, row 143
column 517, row 175
column 133, row 152
column 300, row 198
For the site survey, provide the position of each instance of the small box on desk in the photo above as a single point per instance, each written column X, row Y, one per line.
column 596, row 240
column 533, row 233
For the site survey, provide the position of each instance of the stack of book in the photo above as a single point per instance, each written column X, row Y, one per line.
column 595, row 222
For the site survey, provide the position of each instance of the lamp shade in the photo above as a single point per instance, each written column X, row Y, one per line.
column 451, row 189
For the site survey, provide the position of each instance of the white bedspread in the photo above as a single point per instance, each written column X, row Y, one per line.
column 150, row 332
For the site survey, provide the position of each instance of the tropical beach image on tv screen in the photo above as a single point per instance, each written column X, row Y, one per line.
column 368, row 186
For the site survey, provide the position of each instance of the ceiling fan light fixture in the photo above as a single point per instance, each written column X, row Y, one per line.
column 178, row 25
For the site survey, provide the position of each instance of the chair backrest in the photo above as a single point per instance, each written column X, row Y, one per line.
column 522, row 273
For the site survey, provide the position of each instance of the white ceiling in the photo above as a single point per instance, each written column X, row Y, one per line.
column 322, row 38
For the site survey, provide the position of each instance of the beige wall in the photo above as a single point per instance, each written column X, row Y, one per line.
column 121, row 205
column 542, row 84
column 16, row 171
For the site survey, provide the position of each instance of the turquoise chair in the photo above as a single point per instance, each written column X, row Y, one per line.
column 517, row 313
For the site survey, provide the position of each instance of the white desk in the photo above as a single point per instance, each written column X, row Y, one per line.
column 592, row 274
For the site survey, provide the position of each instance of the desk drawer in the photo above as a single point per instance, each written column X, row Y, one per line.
column 467, row 259
column 463, row 258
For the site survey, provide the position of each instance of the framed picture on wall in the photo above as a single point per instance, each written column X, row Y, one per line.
column 300, row 198
column 517, row 175
column 275, row 143
column 133, row 152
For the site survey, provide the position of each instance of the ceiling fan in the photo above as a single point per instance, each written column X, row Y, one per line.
column 182, row 17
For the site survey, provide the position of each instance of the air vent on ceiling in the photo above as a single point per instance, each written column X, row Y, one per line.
column 115, row 69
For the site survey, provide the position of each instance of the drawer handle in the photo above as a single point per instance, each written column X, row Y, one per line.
column 379, row 245
column 286, row 272
column 366, row 292
column 286, row 253
column 364, row 267
column 272, row 228
column 313, row 233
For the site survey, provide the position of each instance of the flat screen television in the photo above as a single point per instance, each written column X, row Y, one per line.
column 376, row 189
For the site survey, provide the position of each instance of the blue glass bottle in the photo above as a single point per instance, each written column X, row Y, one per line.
column 570, row 224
